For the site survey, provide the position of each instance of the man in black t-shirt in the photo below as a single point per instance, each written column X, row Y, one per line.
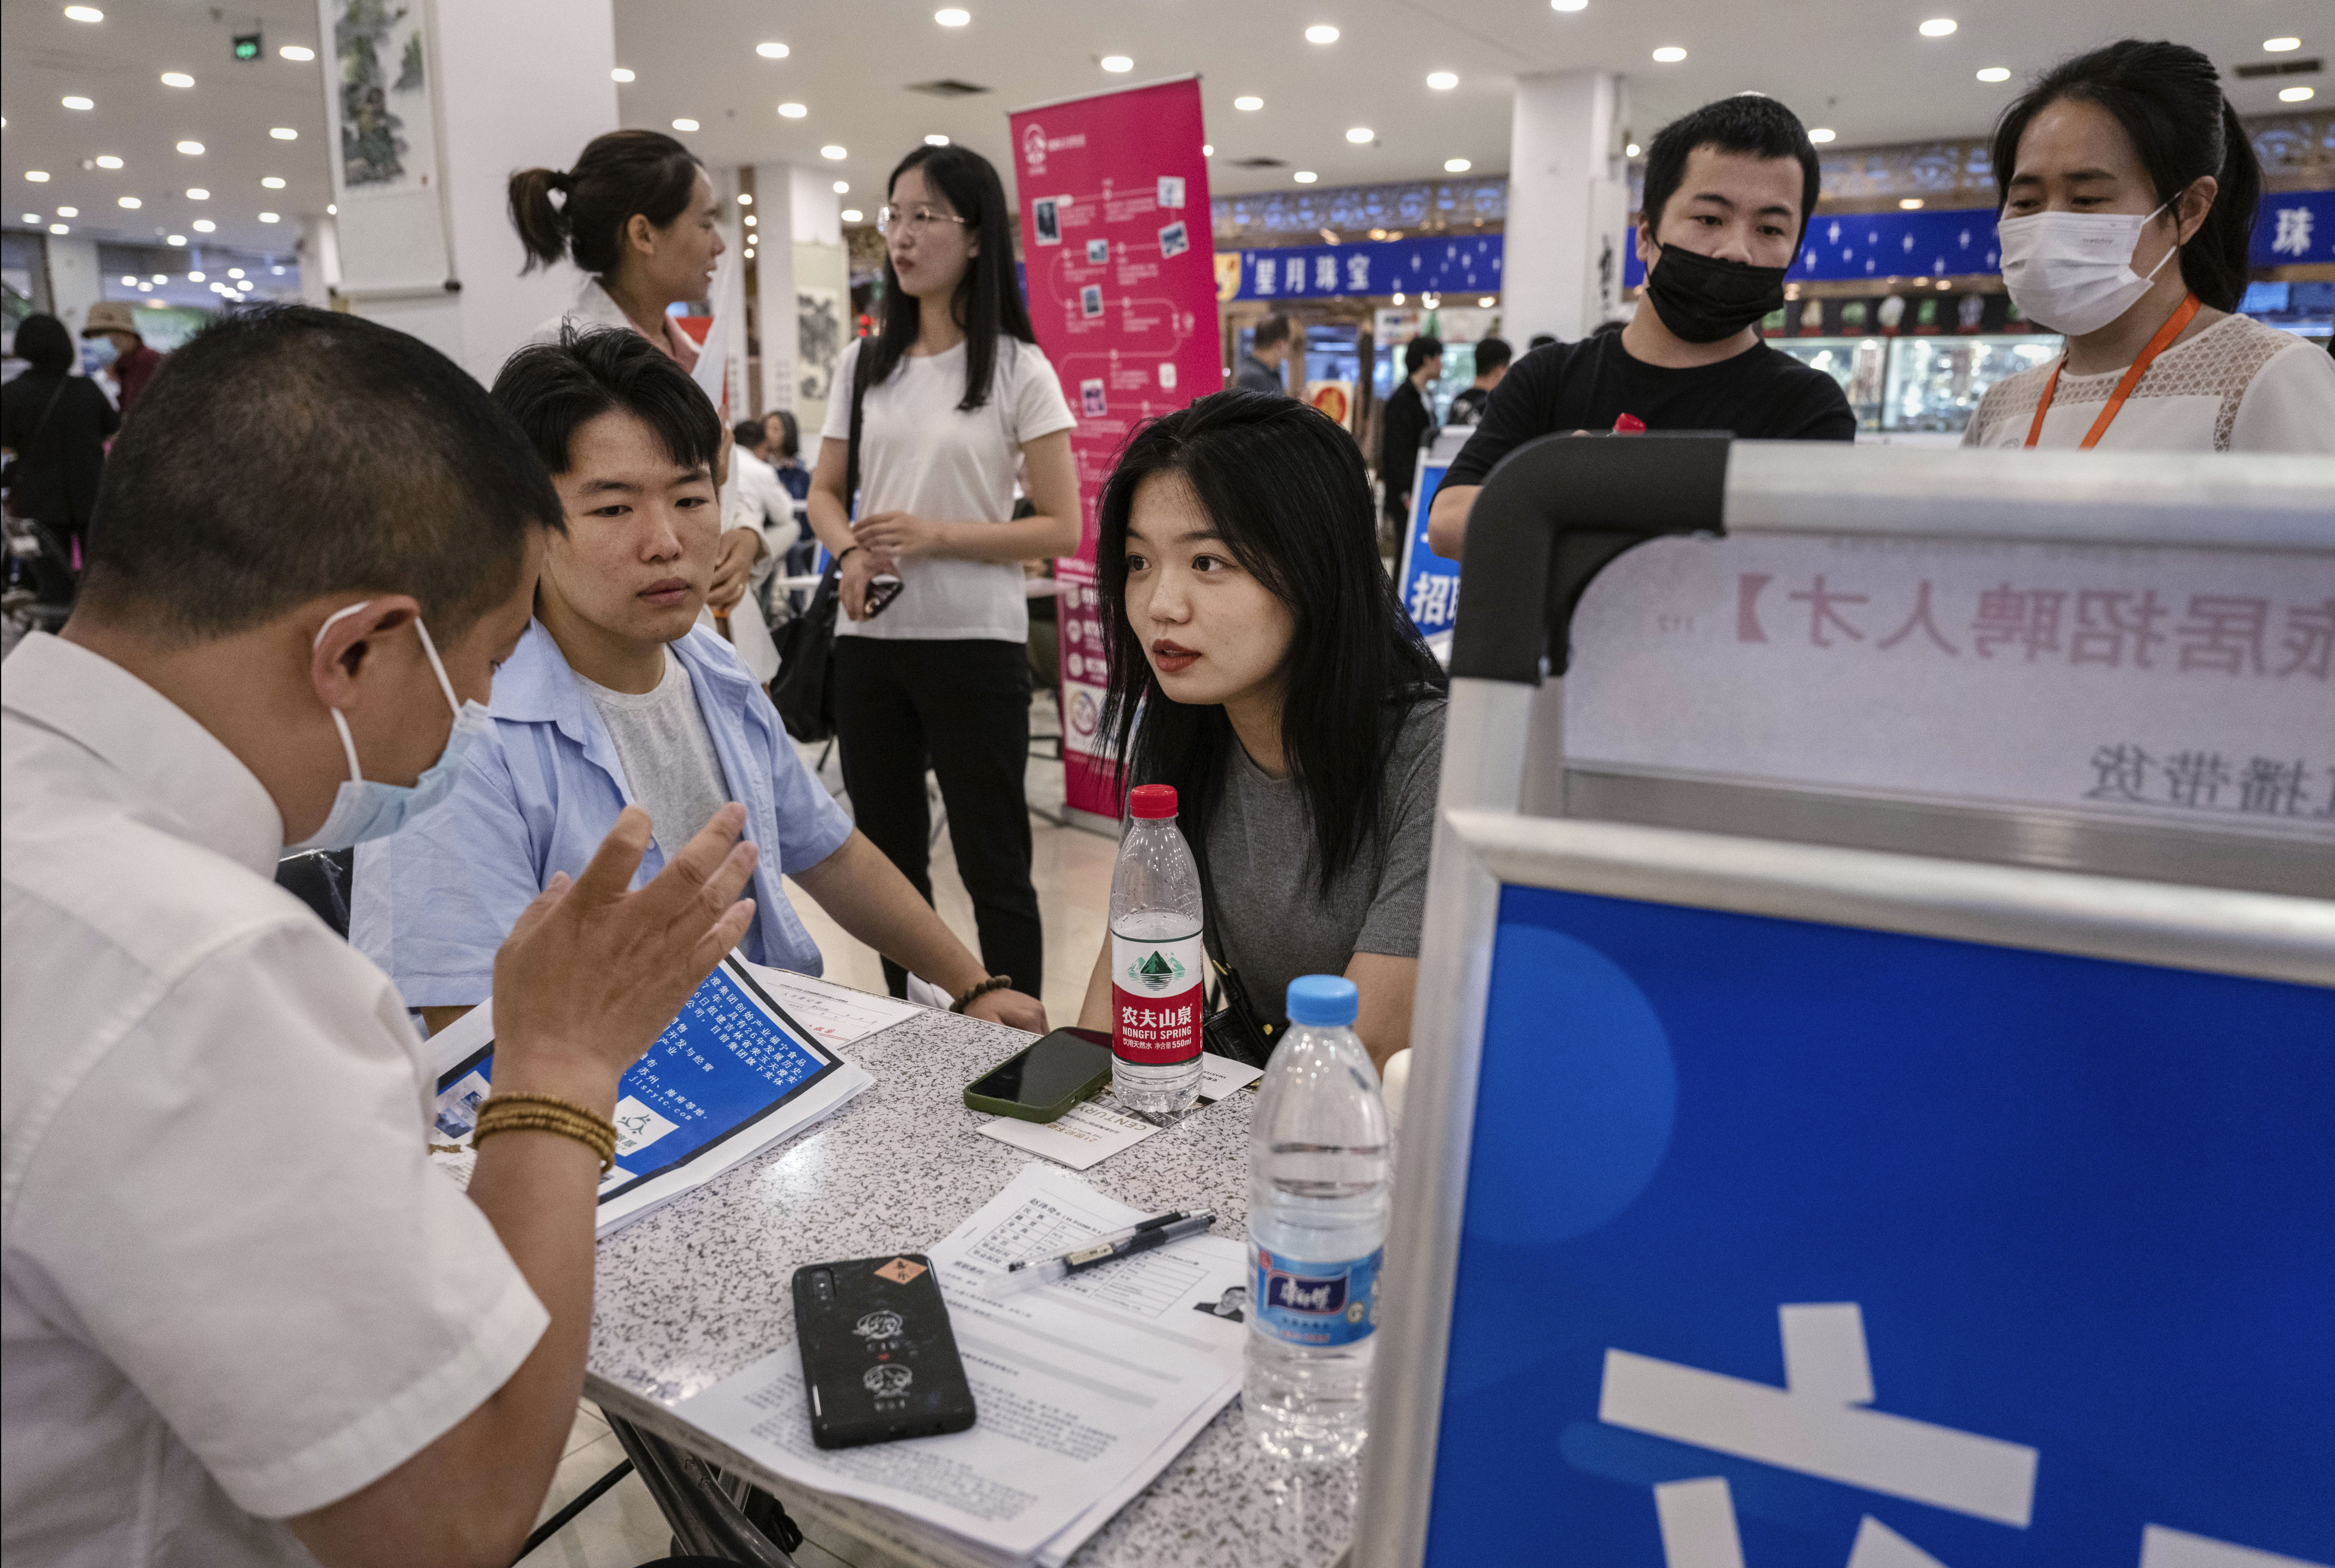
column 1406, row 425
column 1727, row 193
column 1492, row 356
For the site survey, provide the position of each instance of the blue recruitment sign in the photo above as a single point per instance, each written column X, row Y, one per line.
column 1432, row 263
column 1789, row 1243
column 1430, row 583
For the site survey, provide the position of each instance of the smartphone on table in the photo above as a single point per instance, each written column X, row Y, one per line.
column 1044, row 1079
column 880, row 1359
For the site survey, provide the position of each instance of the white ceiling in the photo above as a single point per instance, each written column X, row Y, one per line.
column 1859, row 66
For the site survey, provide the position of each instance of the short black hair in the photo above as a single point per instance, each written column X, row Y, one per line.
column 1419, row 351
column 1540, row 339
column 1271, row 329
column 554, row 389
column 286, row 453
column 750, row 433
column 1750, row 122
column 43, row 341
column 1491, row 353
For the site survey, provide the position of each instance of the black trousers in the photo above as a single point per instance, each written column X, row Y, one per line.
column 963, row 704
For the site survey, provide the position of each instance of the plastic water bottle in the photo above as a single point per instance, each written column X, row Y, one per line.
column 1155, row 961
column 1318, row 1189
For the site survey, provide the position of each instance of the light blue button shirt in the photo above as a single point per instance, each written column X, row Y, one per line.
column 542, row 788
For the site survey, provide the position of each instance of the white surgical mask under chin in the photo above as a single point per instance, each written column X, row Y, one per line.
column 2073, row 271
column 367, row 808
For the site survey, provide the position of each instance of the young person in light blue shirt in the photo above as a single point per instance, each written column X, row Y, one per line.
column 615, row 697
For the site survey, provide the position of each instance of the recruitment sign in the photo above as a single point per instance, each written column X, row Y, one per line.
column 1121, row 281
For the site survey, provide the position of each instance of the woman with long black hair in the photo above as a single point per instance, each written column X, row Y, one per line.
column 55, row 423
column 1261, row 663
column 955, row 403
column 2129, row 191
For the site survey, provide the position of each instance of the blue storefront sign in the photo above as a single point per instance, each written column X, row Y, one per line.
column 1430, row 264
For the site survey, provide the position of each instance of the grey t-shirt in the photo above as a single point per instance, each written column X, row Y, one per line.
column 1269, row 915
column 667, row 752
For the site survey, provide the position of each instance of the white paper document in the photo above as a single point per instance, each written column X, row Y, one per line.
column 1093, row 1131
column 834, row 1015
column 1085, row 1389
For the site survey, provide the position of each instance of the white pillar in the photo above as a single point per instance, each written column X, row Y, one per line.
column 822, row 289
column 74, row 284
column 519, row 84
column 1568, row 199
column 320, row 260
column 774, row 283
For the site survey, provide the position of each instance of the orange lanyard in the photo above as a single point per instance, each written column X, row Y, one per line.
column 2157, row 345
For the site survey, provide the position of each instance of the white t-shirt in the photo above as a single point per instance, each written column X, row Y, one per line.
column 234, row 1288
column 2238, row 386
column 919, row 453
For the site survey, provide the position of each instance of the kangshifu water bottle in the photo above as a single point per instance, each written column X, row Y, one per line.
column 1155, row 963
column 1318, row 1187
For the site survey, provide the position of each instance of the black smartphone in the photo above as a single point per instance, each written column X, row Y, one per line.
column 1041, row 1081
column 878, row 1357
column 881, row 591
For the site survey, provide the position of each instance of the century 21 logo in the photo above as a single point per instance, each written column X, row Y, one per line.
column 1034, row 146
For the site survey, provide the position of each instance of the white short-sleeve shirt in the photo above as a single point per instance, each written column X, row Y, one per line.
column 233, row 1289
column 920, row 453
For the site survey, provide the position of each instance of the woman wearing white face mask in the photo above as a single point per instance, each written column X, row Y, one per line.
column 2129, row 192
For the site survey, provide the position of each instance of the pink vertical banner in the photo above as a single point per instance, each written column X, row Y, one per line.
column 1119, row 257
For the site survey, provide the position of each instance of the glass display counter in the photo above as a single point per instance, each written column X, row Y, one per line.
column 1935, row 383
column 1856, row 363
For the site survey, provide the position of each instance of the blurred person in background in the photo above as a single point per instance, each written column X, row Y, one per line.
column 1262, row 367
column 1492, row 355
column 952, row 400
column 121, row 352
column 1406, row 424
column 1729, row 190
column 55, row 425
column 2129, row 197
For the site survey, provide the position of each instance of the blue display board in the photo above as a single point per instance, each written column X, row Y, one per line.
column 1882, row 1251
column 1430, row 583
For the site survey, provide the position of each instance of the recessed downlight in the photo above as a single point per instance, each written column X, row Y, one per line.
column 273, row 182
column 177, row 79
column 1669, row 54
column 622, row 73
column 1995, row 73
column 1568, row 5
column 685, row 124
column 1939, row 27
column 107, row 161
column 283, row 133
column 75, row 100
column 191, row 149
column 1304, row 177
column 1457, row 165
column 1248, row 105
column 197, row 193
column 1320, row 32
column 1821, row 134
column 37, row 176
column 203, row 225
column 83, row 14
column 274, row 217
column 1361, row 135
column 952, row 17
column 1116, row 62
column 772, row 50
column 793, row 110
column 299, row 53
column 850, row 214
column 2296, row 94
column 128, row 203
column 843, row 188
column 1442, row 80
column 2281, row 46
column 1909, row 203
column 832, row 151
column 68, row 212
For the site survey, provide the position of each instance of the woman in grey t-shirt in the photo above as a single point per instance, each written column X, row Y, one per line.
column 1261, row 663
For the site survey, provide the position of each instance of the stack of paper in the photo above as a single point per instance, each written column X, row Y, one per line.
column 1086, row 1389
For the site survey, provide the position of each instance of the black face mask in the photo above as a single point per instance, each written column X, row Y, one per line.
column 1703, row 299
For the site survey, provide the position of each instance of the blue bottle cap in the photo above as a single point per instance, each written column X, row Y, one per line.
column 1324, row 999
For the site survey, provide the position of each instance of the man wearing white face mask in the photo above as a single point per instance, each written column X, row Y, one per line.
column 244, row 1320
column 2129, row 191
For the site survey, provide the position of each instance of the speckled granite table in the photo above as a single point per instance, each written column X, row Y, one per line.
column 700, row 1288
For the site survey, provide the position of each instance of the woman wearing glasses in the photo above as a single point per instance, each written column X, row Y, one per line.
column 956, row 404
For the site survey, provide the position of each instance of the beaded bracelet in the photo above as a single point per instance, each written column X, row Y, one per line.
column 974, row 993
column 547, row 1113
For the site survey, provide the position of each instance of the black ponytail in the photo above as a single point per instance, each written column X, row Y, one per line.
column 2168, row 99
column 619, row 174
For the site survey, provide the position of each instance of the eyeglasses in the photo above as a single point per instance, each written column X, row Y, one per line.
column 912, row 220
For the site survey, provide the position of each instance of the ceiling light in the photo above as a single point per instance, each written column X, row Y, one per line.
column 620, row 74
column 77, row 102
column 772, row 50
column 1304, row 177
column 1457, row 165
column 278, row 271
column 793, row 110
column 203, row 226
column 750, row 220
column 685, row 124
column 59, row 228
column 33, row 218
column 1485, row 303
column 1442, row 80
column 2281, row 46
column 234, row 272
column 271, row 218
column 1248, row 103
column 68, row 212
column 831, row 151
column 273, row 182
column 2295, row 95
column 936, row 141
column 952, row 17
column 851, row 215
column 197, row 193
column 1321, row 33
column 174, row 239
column 1910, row 203
column 1360, row 134
column 331, row 209
column 161, row 277
column 1568, row 5
column 1937, row 27
column 37, row 176
column 83, row 14
column 128, row 281
column 107, row 160
column 842, row 188
column 1631, row 150
column 1397, row 296
column 131, row 202
column 177, row 79
column 1207, row 149
column 1116, row 62
column 745, row 199
column 195, row 277
column 284, row 133
column 300, row 53
column 191, row 149
column 1822, row 134
column 1670, row 54
column 1995, row 73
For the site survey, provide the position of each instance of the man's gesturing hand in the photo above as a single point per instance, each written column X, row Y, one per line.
column 591, row 974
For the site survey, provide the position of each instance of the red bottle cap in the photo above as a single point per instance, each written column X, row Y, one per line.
column 1151, row 801
column 1629, row 425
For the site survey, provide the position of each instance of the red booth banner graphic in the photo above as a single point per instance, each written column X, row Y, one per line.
column 1117, row 251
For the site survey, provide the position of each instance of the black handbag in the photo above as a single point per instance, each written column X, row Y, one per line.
column 804, row 690
column 1233, row 1029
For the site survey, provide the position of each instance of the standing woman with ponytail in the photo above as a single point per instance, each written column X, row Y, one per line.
column 954, row 403
column 2129, row 194
column 636, row 214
